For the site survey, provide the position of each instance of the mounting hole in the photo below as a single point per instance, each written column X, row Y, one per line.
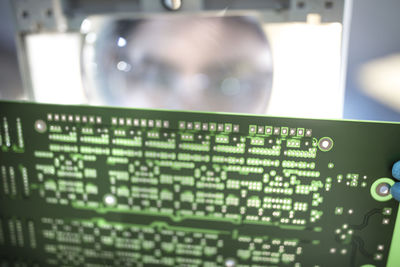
column 380, row 189
column 325, row 144
column 40, row 126
column 383, row 189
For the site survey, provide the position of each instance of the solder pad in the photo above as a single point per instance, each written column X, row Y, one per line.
column 99, row 186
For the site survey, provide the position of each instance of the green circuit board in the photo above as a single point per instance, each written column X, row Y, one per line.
column 100, row 186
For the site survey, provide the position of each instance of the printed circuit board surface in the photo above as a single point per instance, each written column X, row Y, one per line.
column 99, row 186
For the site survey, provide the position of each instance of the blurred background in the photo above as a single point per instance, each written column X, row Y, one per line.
column 10, row 79
column 216, row 62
